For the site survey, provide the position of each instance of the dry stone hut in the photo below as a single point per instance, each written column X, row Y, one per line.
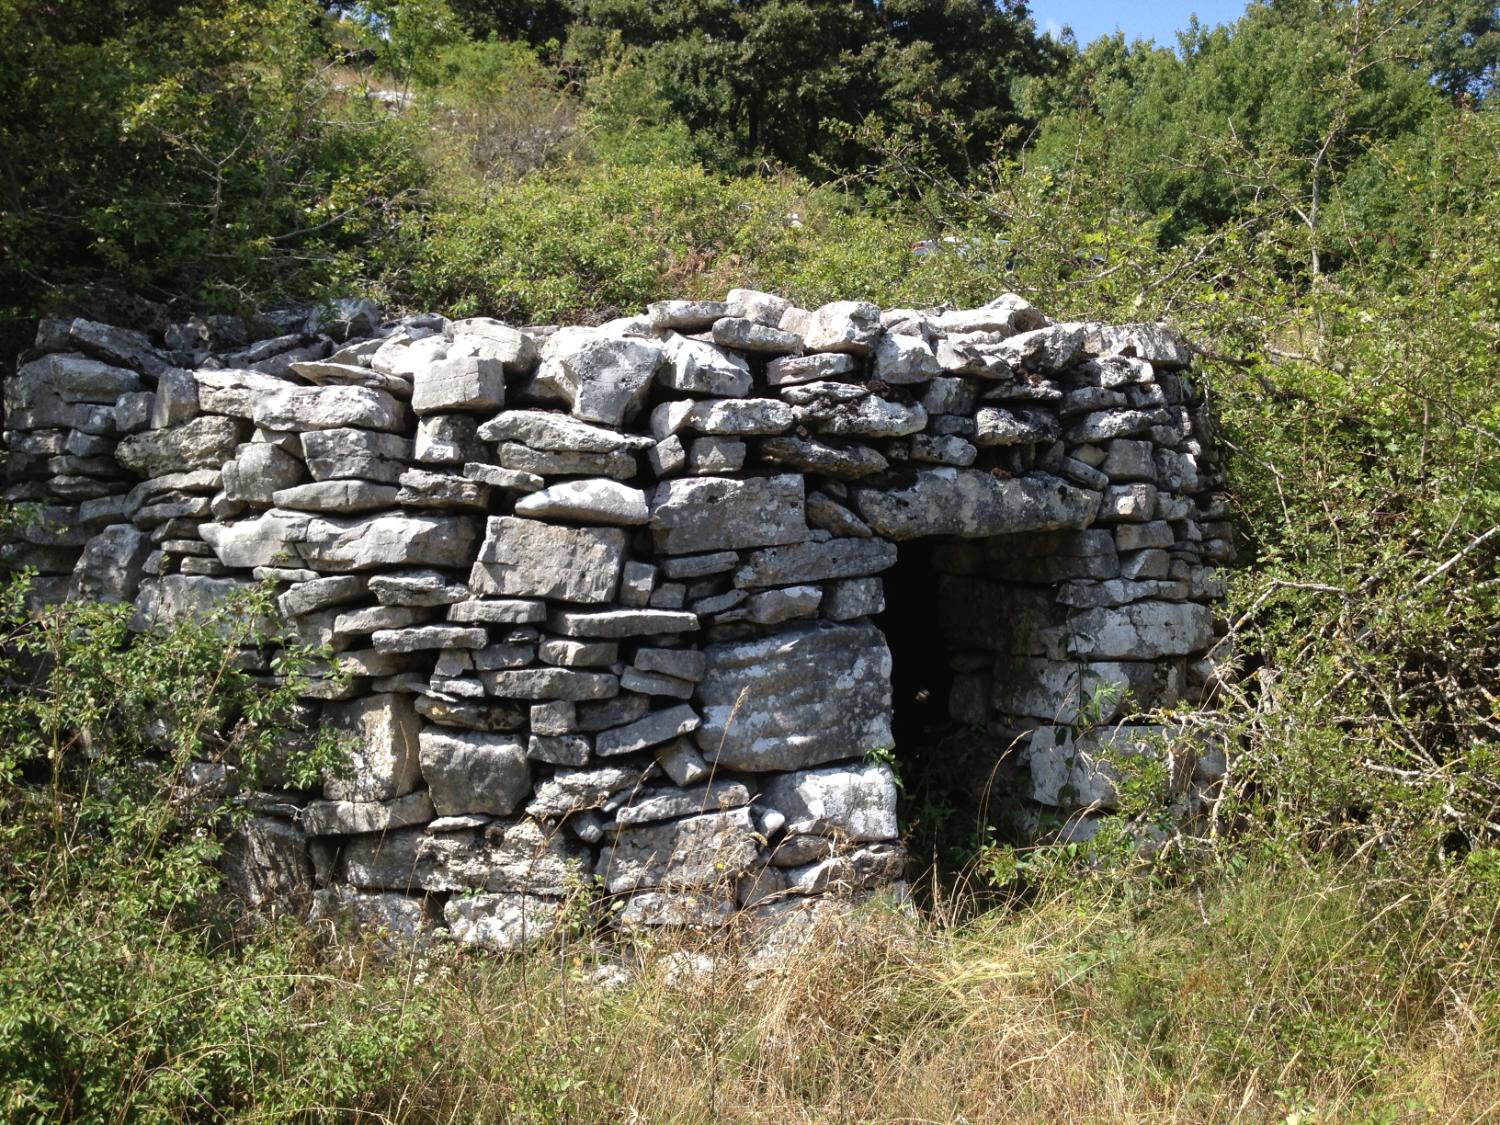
column 625, row 604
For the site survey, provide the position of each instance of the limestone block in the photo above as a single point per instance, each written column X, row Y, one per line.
column 604, row 378
column 973, row 504
column 447, row 439
column 712, row 514
column 352, row 454
column 350, row 543
column 111, row 566
column 654, row 729
column 812, row 694
column 1142, row 631
column 521, row 857
column 328, row 408
column 852, row 802
column 265, row 864
column 698, row 367
column 695, row 852
column 459, row 384
column 529, row 558
column 348, row 818
column 258, row 471
column 382, row 735
column 748, row 336
column 502, row 923
column 46, row 392
column 546, row 431
column 789, row 370
column 589, row 501
column 470, row 772
column 843, row 326
column 904, row 359
column 803, row 563
column 645, row 806
column 205, row 442
column 570, row 791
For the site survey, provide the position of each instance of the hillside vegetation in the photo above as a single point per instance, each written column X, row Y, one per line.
column 1310, row 194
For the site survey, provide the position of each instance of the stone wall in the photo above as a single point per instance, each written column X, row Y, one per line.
column 610, row 597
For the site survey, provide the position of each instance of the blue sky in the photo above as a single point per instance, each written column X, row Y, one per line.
column 1159, row 20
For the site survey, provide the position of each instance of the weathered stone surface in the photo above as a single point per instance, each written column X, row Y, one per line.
column 47, row 391
column 327, row 408
column 688, row 316
column 850, row 463
column 493, row 339
column 330, row 372
column 523, row 857
column 866, row 415
column 853, row 597
column 205, row 442
column 843, row 326
column 350, row 454
column 997, row 426
column 789, row 370
column 654, row 683
column 353, row 543
column 234, row 393
column 424, row 638
column 459, row 384
column 384, row 915
column 172, row 598
column 697, row 367
column 423, row 489
column 654, row 729
column 1083, row 773
column 669, row 804
column 789, row 724
column 335, row 496
column 815, row 562
column 855, row 802
column 474, row 773
column 500, row 611
column 381, row 733
column 265, row 864
column 1045, row 350
column 112, row 565
column 502, row 923
column 123, row 346
column 904, row 359
column 588, row 501
column 616, row 623
column 771, row 607
column 571, row 791
column 447, row 439
column 604, row 378
column 972, row 503
column 683, row 663
column 320, row 593
column 258, row 471
column 529, row 558
column 1142, row 631
column 546, row 431
column 619, row 465
column 695, row 852
column 741, row 417
column 511, row 480
column 711, row 514
column 349, row 818
column 551, row 683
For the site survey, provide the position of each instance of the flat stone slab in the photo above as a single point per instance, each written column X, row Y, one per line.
column 280, row 538
column 520, row 857
column 703, row 514
column 327, row 408
column 815, row 562
column 788, row 681
column 851, row 802
column 696, row 852
column 975, row 504
column 616, row 623
column 587, row 501
column 348, row 818
column 654, row 729
column 527, row 558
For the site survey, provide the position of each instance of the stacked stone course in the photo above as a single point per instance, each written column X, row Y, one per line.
column 605, row 598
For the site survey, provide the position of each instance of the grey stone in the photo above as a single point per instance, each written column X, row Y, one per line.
column 788, row 723
column 973, row 504
column 551, row 683
column 771, row 607
column 741, row 417
column 698, row 566
column 349, row 818
column 46, row 392
column 470, row 716
column 698, row 851
column 1135, row 503
column 334, row 372
column 1139, row 536
column 328, row 408
column 578, row 654
column 345, row 318
column 350, row 454
column 1142, row 631
column 682, row 663
column 471, row 772
column 829, row 514
column 904, row 359
column 174, row 598
column 682, row 762
column 447, row 439
column 814, row 562
column 348, row 543
column 458, row 384
column 853, row 597
column 502, row 923
column 259, row 471
column 997, row 426
column 176, row 398
column 863, row 416
column 656, row 728
column 522, row 857
column 265, row 864
column 1108, row 424
column 697, row 367
column 708, row 514
column 712, row 455
column 654, row 683
column 493, row 339
column 1083, row 773
column 790, row 370
column 543, row 430
column 111, row 566
column 851, row 802
column 617, row 623
column 843, row 326
column 417, row 588
column 557, row 717
column 687, row 316
column 529, row 558
column 854, row 870
column 498, row 611
column 235, row 393
column 336, row 496
column 494, row 657
column 133, row 412
column 423, row 489
column 756, row 305
column 381, row 732
column 370, row 618
column 205, row 442
column 747, row 336
column 1045, row 350
column 320, row 593
column 650, row 805
column 637, row 580
column 560, row 749
column 618, row 465
column 820, row 457
column 604, row 378
column 420, row 638
column 570, row 791
column 122, row 346
column 590, row 501
column 510, row 480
